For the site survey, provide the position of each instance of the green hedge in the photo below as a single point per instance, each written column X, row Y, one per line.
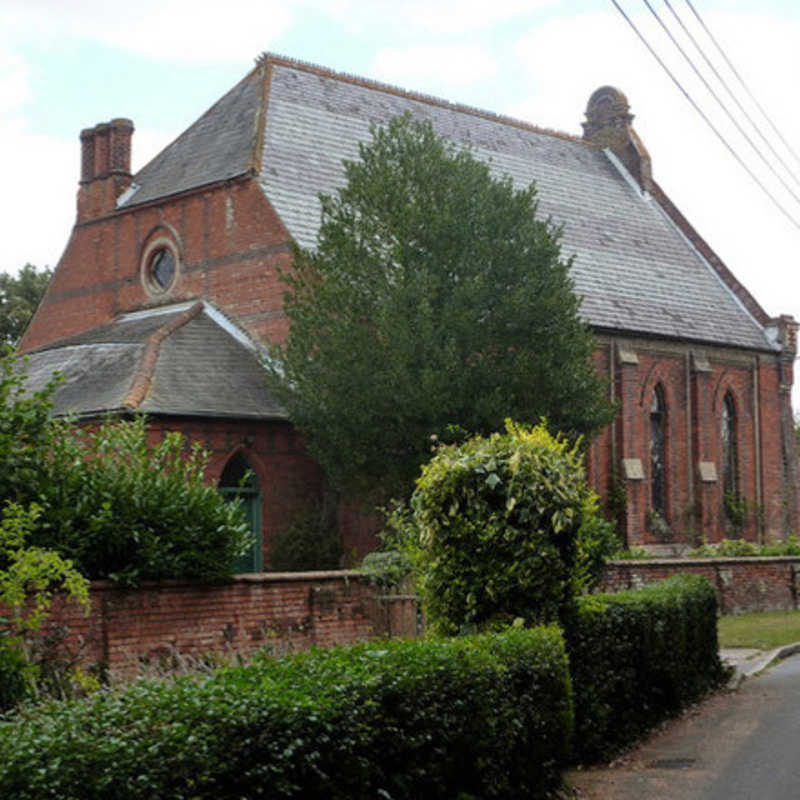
column 639, row 656
column 481, row 717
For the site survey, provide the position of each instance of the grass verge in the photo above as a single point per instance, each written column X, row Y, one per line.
column 764, row 631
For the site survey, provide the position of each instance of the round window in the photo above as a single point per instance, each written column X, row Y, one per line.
column 161, row 269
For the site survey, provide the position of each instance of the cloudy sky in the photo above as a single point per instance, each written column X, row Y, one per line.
column 68, row 64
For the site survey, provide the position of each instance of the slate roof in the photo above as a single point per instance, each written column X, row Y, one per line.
column 634, row 268
column 185, row 360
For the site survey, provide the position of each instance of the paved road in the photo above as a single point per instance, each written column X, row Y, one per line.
column 739, row 745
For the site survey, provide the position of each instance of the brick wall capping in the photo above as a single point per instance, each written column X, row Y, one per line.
column 251, row 577
column 689, row 561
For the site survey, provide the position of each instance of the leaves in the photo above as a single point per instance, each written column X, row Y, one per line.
column 526, row 537
column 19, row 298
column 435, row 301
column 110, row 500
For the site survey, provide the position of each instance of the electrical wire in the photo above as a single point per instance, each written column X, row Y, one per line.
column 721, row 104
column 705, row 118
column 742, row 81
column 731, row 94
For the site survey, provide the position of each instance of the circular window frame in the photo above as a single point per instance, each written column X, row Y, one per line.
column 149, row 282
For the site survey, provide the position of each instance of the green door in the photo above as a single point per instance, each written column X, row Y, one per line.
column 239, row 484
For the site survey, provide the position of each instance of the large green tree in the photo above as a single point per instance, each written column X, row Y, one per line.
column 19, row 296
column 435, row 297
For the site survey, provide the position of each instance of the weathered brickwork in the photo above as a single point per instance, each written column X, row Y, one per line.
column 231, row 246
column 694, row 381
column 742, row 584
column 173, row 622
column 127, row 629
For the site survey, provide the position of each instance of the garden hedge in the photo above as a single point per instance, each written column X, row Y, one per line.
column 481, row 717
column 638, row 657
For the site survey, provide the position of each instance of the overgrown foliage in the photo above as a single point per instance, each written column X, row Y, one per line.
column 486, row 716
column 29, row 577
column 507, row 528
column 19, row 297
column 435, row 296
column 123, row 508
column 638, row 657
column 310, row 542
column 739, row 548
column 115, row 504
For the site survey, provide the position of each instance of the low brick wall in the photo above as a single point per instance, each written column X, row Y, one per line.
column 742, row 584
column 165, row 622
column 172, row 620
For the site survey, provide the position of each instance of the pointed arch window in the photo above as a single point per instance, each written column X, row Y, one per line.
column 730, row 455
column 658, row 452
column 238, row 483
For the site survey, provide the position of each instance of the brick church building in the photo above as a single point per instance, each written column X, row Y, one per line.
column 169, row 287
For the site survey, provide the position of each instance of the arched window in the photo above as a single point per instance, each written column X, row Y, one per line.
column 730, row 457
column 658, row 452
column 239, row 483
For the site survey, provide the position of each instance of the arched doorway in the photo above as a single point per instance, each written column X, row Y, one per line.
column 239, row 482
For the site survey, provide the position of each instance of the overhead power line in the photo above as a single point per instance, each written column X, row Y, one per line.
column 731, row 94
column 742, row 82
column 706, row 119
column 721, row 104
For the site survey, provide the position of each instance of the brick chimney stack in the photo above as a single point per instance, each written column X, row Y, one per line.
column 105, row 167
column 608, row 125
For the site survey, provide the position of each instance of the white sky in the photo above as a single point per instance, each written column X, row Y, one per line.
column 68, row 64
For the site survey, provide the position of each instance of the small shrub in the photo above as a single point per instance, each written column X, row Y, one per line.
column 639, row 656
column 17, row 674
column 739, row 548
column 310, row 542
column 508, row 528
column 29, row 577
column 387, row 568
column 393, row 565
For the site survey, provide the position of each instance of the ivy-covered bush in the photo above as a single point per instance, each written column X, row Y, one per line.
column 485, row 716
column 508, row 528
column 638, row 657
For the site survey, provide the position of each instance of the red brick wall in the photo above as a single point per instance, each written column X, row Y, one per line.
column 129, row 628
column 742, row 584
column 231, row 245
column 291, row 482
column 283, row 612
column 695, row 381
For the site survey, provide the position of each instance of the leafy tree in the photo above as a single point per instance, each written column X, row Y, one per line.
column 19, row 297
column 435, row 297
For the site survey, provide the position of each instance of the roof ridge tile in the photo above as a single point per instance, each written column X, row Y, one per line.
column 143, row 379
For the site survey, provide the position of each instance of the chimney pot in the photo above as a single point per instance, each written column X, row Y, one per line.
column 105, row 167
column 608, row 125
column 87, row 155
